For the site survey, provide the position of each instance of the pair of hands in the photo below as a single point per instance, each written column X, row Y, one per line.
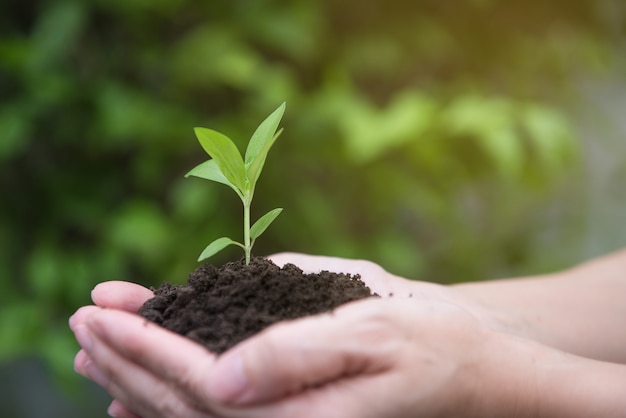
column 426, row 351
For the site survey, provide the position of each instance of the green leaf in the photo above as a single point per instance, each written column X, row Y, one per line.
column 226, row 155
column 260, row 144
column 209, row 170
column 254, row 171
column 261, row 225
column 263, row 134
column 217, row 246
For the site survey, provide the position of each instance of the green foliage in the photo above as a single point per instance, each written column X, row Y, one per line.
column 229, row 168
column 432, row 137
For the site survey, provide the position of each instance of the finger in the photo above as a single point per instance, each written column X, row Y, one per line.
column 293, row 356
column 316, row 263
column 123, row 363
column 80, row 315
column 125, row 380
column 373, row 275
column 308, row 263
column 121, row 295
column 165, row 353
column 79, row 362
column 135, row 359
column 117, row 410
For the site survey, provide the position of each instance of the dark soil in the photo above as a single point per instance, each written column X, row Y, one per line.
column 219, row 307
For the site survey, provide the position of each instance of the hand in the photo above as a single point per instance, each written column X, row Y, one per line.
column 128, row 297
column 372, row 358
column 427, row 351
column 119, row 295
column 390, row 358
column 388, row 285
column 373, row 275
column 438, row 352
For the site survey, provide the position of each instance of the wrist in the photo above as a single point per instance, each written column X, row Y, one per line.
column 527, row 379
column 582, row 387
column 504, row 382
column 489, row 308
column 522, row 306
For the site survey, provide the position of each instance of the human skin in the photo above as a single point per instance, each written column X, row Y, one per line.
column 581, row 310
column 429, row 350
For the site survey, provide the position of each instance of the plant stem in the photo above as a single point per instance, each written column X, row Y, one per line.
column 246, row 230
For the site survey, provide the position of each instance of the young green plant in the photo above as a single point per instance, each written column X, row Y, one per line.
column 227, row 166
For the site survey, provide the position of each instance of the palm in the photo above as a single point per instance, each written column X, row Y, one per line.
column 374, row 276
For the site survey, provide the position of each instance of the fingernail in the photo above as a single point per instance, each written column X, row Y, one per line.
column 96, row 374
column 230, row 381
column 79, row 362
column 113, row 410
column 84, row 339
column 70, row 322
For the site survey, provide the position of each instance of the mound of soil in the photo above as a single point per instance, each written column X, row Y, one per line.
column 219, row 307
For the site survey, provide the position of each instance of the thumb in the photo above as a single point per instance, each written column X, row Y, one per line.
column 292, row 356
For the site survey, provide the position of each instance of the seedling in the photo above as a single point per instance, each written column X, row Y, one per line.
column 227, row 166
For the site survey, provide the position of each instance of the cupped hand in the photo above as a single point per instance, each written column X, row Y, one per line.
column 360, row 361
column 387, row 284
column 373, row 275
column 372, row 358
column 120, row 295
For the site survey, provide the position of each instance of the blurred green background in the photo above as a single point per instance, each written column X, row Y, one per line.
column 447, row 141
